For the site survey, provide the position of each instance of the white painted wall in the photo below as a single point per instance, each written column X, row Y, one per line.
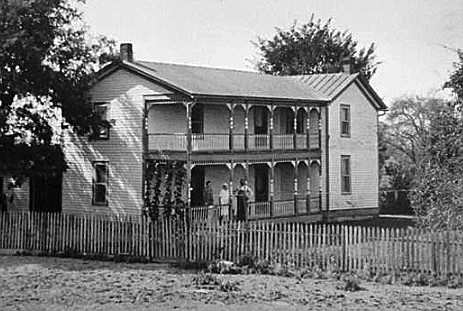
column 362, row 146
column 124, row 92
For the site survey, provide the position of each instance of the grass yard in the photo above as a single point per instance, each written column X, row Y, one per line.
column 45, row 283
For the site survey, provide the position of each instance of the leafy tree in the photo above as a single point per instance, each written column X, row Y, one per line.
column 455, row 81
column 438, row 199
column 47, row 57
column 406, row 124
column 314, row 47
column 402, row 135
column 438, row 196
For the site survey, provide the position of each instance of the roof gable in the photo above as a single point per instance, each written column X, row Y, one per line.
column 331, row 85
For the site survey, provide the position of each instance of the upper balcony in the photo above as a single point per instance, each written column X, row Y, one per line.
column 238, row 128
column 236, row 142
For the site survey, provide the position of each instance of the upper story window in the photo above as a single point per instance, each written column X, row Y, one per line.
column 197, row 119
column 101, row 131
column 346, row 187
column 345, row 121
column 100, row 183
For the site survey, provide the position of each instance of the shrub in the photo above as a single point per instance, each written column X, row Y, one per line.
column 210, row 281
column 350, row 284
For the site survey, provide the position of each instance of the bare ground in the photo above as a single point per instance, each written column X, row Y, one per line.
column 44, row 283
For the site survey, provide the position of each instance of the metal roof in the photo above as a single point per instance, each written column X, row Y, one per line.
column 206, row 81
column 333, row 84
column 330, row 84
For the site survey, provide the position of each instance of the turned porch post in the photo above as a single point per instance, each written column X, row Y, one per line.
column 307, row 203
column 295, row 127
column 231, row 108
column 272, row 187
column 188, row 106
column 230, row 190
column 295, row 173
column 246, row 127
column 320, row 187
column 308, row 128
column 271, row 125
column 320, row 128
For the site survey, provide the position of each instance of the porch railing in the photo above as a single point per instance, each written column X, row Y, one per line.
column 283, row 141
column 258, row 141
column 210, row 142
column 314, row 203
column 238, row 141
column 283, row 208
column 302, row 205
column 206, row 213
column 176, row 142
column 314, row 140
column 259, row 210
column 221, row 141
column 301, row 141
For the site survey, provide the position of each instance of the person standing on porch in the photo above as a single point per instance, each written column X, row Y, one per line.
column 209, row 200
column 243, row 195
column 224, row 201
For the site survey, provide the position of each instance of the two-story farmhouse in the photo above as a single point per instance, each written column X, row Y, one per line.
column 306, row 144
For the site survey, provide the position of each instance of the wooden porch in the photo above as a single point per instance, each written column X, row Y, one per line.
column 236, row 142
column 260, row 210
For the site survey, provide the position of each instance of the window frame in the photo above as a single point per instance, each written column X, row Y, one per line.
column 96, row 183
column 343, row 121
column 97, row 132
column 346, row 174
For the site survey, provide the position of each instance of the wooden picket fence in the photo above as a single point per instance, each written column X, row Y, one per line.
column 324, row 246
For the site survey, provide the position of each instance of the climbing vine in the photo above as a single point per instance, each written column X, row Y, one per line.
column 164, row 184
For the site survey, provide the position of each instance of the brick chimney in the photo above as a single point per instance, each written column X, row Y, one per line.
column 346, row 64
column 126, row 52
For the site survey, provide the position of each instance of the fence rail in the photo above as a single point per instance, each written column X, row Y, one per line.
column 326, row 246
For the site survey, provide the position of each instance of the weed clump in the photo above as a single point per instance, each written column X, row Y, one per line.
column 350, row 284
column 213, row 282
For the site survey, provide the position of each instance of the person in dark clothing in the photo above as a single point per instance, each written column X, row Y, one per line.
column 3, row 202
column 243, row 195
column 208, row 194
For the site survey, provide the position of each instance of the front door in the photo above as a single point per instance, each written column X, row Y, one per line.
column 197, row 184
column 261, row 183
column 46, row 193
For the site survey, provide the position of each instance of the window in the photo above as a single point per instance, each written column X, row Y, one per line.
column 100, row 183
column 345, row 120
column 345, row 175
column 102, row 130
column 197, row 119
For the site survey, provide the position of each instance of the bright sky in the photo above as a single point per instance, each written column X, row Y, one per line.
column 409, row 34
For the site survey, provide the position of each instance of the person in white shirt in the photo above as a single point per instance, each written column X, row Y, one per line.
column 224, row 197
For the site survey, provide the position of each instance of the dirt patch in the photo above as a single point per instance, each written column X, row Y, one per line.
column 44, row 283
